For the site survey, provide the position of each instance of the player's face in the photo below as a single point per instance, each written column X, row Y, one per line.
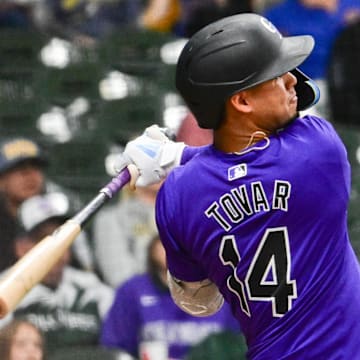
column 274, row 102
column 27, row 344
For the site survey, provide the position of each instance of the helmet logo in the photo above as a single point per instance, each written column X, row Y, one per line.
column 269, row 26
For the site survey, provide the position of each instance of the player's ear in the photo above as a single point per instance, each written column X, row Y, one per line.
column 239, row 101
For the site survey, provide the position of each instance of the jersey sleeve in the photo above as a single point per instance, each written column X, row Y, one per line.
column 190, row 151
column 179, row 261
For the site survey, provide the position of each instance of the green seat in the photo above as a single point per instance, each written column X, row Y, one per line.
column 134, row 52
column 76, row 80
column 138, row 53
column 79, row 165
column 21, row 48
column 84, row 353
column 19, row 117
column 20, row 63
column 126, row 118
column 224, row 345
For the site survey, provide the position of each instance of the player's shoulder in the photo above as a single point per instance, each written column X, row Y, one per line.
column 313, row 123
column 320, row 134
column 183, row 178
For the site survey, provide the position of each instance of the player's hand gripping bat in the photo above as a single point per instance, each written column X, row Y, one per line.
column 33, row 267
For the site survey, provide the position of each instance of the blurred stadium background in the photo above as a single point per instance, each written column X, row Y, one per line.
column 83, row 103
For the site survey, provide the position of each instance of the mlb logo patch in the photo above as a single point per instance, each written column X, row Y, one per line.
column 237, row 172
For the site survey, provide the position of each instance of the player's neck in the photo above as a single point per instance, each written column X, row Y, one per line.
column 235, row 139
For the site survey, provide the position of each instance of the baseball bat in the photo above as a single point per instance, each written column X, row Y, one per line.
column 34, row 265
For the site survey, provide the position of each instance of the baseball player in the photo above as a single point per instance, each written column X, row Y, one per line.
column 258, row 218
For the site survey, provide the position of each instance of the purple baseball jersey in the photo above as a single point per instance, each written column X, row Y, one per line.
column 142, row 311
column 269, row 228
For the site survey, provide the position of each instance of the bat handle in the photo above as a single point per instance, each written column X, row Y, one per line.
column 129, row 174
column 116, row 183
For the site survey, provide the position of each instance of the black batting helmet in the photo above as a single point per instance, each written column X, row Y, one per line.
column 234, row 54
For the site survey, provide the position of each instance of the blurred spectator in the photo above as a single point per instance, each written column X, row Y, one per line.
column 160, row 15
column 344, row 77
column 121, row 234
column 70, row 20
column 144, row 315
column 86, row 21
column 190, row 133
column 69, row 304
column 22, row 175
column 23, row 14
column 198, row 13
column 22, row 165
column 21, row 340
column 323, row 19
column 15, row 14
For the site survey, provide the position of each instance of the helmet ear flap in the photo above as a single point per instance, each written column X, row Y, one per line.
column 308, row 92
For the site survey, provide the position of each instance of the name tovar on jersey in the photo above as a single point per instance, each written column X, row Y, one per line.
column 240, row 227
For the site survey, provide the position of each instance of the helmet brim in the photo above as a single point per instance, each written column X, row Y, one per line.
column 293, row 51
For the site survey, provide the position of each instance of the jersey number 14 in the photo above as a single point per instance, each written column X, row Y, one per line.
column 268, row 277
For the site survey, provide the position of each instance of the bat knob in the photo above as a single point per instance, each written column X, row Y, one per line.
column 134, row 174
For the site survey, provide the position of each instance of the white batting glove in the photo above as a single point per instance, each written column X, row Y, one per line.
column 153, row 154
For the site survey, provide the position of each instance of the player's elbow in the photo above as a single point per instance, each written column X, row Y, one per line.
column 199, row 298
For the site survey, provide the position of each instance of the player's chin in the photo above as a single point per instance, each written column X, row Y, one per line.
column 291, row 118
column 293, row 111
